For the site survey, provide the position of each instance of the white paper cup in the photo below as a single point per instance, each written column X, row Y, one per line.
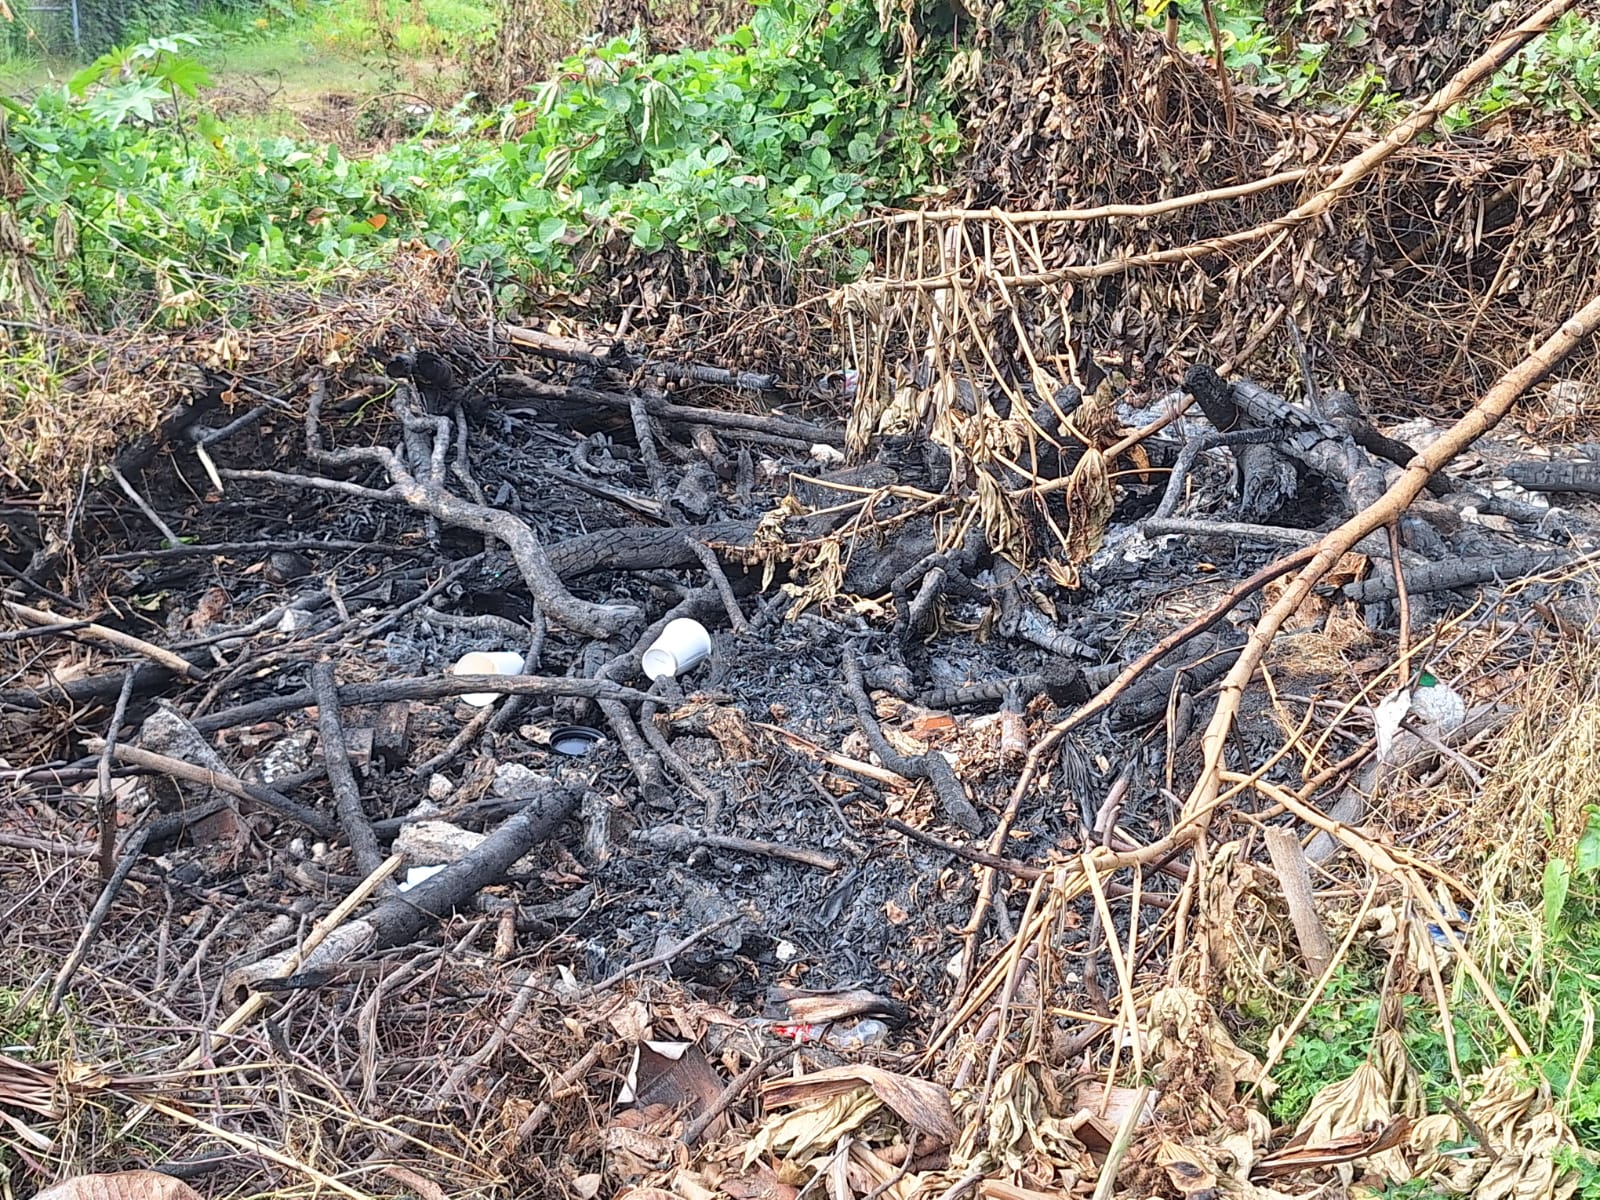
column 682, row 644
column 487, row 662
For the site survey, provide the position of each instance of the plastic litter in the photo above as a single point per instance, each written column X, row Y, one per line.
column 683, row 644
column 575, row 741
column 487, row 662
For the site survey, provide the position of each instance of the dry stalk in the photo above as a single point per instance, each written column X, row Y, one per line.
column 1389, row 862
column 1354, row 170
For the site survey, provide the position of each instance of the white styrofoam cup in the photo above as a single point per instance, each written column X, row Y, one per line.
column 487, row 662
column 682, row 644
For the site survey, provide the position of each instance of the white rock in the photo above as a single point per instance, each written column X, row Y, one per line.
column 428, row 842
column 823, row 453
column 513, row 781
column 293, row 620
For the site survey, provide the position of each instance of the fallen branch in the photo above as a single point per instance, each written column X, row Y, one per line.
column 1494, row 405
column 113, row 637
column 1356, row 169
column 400, row 918
column 931, row 766
column 681, row 839
column 615, row 354
column 221, row 781
column 418, row 484
column 336, row 758
column 1103, row 212
column 788, row 428
column 1442, row 576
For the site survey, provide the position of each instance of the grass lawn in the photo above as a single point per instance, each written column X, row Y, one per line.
column 323, row 69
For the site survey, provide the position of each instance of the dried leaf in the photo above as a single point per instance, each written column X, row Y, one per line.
column 759, row 1183
column 1090, row 500
column 1191, row 1170
column 1352, row 1109
column 920, row 1103
column 1348, row 1149
column 631, row 1021
column 122, row 1185
column 813, row 1127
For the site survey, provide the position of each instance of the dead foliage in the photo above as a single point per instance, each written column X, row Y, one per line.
column 532, row 38
column 1032, row 1079
column 1456, row 254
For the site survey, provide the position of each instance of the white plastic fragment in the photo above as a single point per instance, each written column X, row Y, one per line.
column 417, row 875
column 828, row 455
column 1439, row 708
column 1386, row 718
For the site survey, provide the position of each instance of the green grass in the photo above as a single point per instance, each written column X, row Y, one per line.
column 290, row 68
column 1549, row 981
column 25, row 1028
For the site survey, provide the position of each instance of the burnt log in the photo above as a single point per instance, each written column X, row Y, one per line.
column 1062, row 680
column 1322, row 446
column 1556, row 476
column 1146, row 698
column 1267, row 480
column 1198, row 663
column 1444, row 576
column 1337, row 446
column 580, row 400
column 615, row 355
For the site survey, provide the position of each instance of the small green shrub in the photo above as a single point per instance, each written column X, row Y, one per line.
column 787, row 128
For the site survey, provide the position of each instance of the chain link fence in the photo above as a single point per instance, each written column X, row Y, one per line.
column 91, row 27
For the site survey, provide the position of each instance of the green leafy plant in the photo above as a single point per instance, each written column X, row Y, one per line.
column 1339, row 1033
column 132, row 80
column 787, row 127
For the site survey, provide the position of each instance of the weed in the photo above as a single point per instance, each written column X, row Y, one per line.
column 787, row 127
column 24, row 1025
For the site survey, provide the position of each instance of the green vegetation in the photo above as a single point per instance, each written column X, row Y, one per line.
column 23, row 1025
column 1552, row 998
column 1557, row 73
column 757, row 143
column 1339, row 1033
column 164, row 186
column 1570, row 980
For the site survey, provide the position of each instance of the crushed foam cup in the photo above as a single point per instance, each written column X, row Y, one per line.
column 682, row 644
column 487, row 662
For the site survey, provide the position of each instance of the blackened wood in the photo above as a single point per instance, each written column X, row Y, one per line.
column 931, row 766
column 1442, row 576
column 399, row 919
column 640, row 549
column 615, row 354
column 1146, row 699
column 1322, row 446
column 391, row 735
column 1556, row 476
column 526, row 387
column 1267, row 479
column 353, row 817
